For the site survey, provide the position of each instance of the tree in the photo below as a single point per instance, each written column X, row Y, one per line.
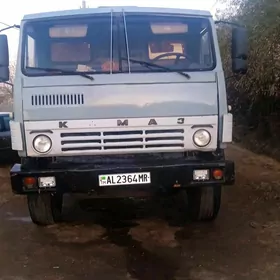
column 255, row 96
column 261, row 17
column 6, row 91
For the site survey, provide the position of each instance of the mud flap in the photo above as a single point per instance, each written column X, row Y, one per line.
column 230, row 173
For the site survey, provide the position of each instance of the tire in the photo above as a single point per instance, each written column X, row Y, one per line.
column 204, row 203
column 45, row 208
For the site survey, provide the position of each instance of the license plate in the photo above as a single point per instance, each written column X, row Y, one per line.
column 125, row 179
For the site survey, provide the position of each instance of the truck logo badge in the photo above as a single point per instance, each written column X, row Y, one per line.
column 122, row 123
column 180, row 121
column 62, row 125
column 152, row 122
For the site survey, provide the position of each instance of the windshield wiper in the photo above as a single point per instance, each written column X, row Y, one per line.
column 151, row 64
column 67, row 72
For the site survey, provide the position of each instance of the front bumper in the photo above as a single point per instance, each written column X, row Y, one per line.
column 84, row 179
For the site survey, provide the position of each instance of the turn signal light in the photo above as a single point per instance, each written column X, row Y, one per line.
column 177, row 185
column 29, row 182
column 218, row 174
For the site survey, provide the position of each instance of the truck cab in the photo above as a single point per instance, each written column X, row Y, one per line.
column 121, row 102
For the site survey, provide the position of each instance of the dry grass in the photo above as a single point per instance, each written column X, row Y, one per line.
column 5, row 186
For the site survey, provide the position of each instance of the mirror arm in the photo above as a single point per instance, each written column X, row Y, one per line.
column 228, row 23
column 10, row 27
column 230, row 77
column 7, row 83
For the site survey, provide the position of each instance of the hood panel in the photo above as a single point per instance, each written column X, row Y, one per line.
column 118, row 100
column 124, row 101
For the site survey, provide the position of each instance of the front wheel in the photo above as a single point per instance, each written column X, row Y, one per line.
column 204, row 203
column 45, row 208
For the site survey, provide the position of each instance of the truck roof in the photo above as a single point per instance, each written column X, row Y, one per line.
column 126, row 9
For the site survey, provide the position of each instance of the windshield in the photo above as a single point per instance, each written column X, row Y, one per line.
column 107, row 44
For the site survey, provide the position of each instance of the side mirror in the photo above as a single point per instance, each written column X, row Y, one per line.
column 239, row 66
column 4, row 59
column 4, row 123
column 239, row 50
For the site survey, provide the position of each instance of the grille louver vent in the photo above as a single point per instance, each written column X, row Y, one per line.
column 122, row 140
column 57, row 99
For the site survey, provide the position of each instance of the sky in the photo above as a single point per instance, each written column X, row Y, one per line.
column 13, row 10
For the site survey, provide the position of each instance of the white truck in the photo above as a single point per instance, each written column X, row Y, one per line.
column 121, row 102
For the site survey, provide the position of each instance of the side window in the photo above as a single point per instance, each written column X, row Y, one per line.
column 30, row 52
column 205, row 52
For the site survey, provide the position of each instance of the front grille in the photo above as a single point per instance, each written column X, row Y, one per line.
column 166, row 139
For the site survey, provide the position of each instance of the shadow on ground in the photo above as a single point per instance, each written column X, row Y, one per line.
column 128, row 224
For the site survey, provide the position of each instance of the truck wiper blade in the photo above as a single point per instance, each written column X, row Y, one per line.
column 67, row 72
column 151, row 64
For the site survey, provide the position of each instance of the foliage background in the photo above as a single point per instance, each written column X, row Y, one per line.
column 255, row 97
column 6, row 92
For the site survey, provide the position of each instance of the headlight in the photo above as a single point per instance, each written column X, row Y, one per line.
column 42, row 144
column 201, row 138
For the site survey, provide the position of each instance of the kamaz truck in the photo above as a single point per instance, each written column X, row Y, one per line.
column 121, row 102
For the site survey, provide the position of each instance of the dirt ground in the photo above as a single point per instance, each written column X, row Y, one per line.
column 134, row 241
